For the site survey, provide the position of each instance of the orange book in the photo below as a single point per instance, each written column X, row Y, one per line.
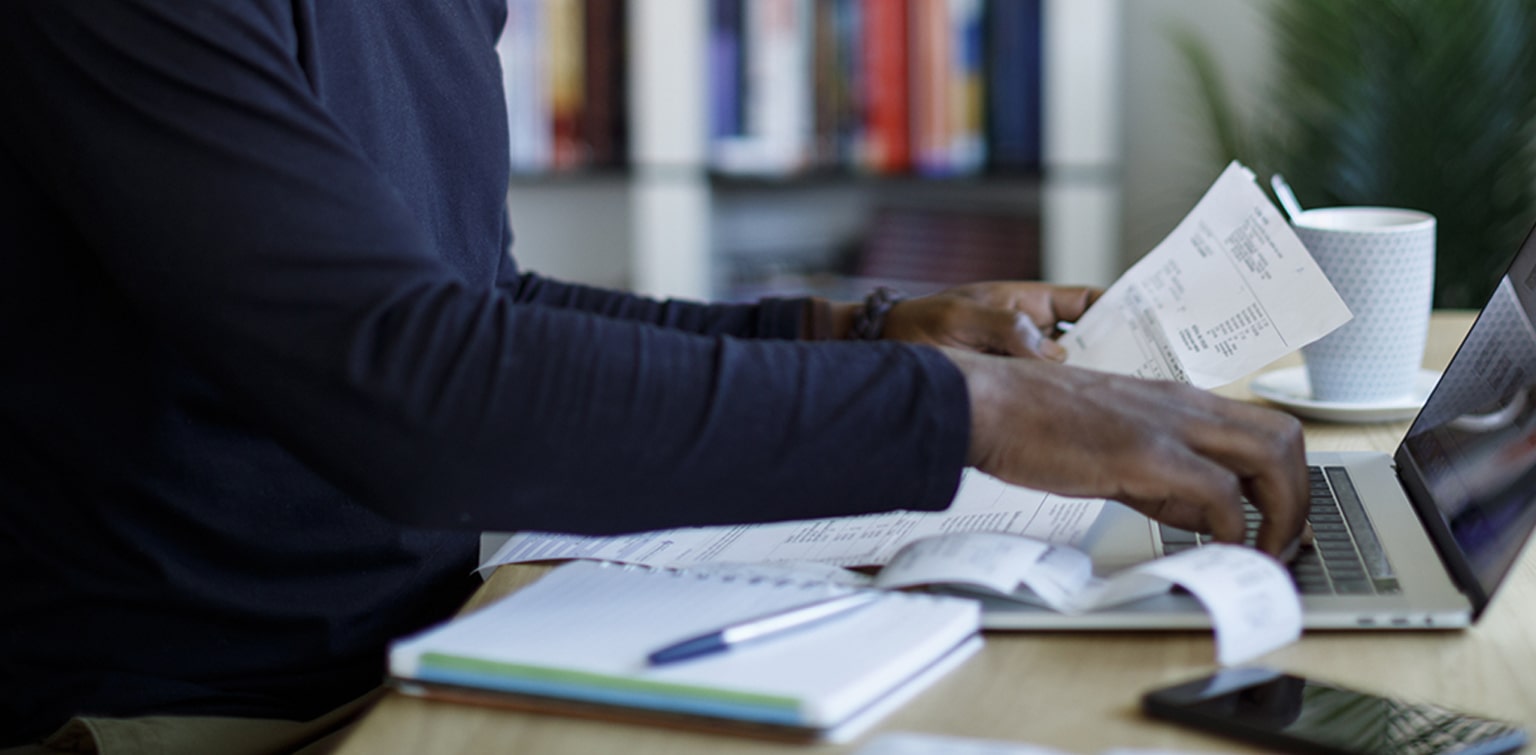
column 931, row 101
column 887, row 146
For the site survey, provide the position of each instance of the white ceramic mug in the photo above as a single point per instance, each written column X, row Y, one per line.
column 1382, row 262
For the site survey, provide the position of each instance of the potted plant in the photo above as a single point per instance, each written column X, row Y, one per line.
column 1426, row 104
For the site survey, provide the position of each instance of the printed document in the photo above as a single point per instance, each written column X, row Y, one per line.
column 982, row 504
column 1229, row 291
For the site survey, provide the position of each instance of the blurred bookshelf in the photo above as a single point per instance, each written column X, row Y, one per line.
column 566, row 82
column 931, row 88
column 734, row 149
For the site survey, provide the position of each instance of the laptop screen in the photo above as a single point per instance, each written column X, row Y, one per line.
column 1473, row 447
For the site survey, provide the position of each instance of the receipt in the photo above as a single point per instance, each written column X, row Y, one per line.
column 1229, row 291
column 1252, row 603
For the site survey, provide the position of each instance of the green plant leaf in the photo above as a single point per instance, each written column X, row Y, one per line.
column 1409, row 103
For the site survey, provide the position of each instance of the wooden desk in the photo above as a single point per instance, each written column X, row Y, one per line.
column 1076, row 692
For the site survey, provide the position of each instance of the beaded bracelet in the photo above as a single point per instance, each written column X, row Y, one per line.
column 869, row 320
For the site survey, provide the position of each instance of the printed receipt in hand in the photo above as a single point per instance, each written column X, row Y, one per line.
column 1230, row 290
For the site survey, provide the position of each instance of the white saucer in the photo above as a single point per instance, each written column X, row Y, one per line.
column 1289, row 388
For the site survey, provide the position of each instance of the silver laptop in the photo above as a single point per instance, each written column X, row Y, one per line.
column 1421, row 539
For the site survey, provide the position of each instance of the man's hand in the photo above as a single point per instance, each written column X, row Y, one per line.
column 1009, row 318
column 1176, row 453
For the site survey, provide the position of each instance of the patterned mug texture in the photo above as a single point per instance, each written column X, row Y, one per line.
column 1382, row 262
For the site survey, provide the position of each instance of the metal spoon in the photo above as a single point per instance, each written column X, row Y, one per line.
column 1287, row 197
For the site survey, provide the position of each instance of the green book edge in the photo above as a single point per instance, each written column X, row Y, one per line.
column 545, row 674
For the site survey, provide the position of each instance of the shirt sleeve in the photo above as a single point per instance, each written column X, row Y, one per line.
column 240, row 223
column 768, row 318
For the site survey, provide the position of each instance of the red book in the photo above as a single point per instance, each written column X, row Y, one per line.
column 888, row 146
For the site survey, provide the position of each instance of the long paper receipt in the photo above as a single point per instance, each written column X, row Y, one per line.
column 1249, row 596
column 1230, row 290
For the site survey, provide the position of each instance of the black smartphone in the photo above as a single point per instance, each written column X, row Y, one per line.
column 1289, row 712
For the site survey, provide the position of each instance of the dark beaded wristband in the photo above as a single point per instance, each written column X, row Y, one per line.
column 869, row 320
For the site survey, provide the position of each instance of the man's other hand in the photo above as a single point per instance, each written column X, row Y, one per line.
column 1009, row 318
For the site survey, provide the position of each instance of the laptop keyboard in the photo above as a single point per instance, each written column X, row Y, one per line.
column 1346, row 557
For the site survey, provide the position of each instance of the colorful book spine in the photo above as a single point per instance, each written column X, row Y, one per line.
column 932, row 87
column 827, row 81
column 603, row 126
column 1014, row 76
column 566, row 82
column 932, row 82
column 935, row 87
column 851, row 81
column 726, row 51
column 967, row 88
column 778, row 120
column 887, row 142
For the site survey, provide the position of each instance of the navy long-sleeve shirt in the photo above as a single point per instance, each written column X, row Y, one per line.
column 267, row 364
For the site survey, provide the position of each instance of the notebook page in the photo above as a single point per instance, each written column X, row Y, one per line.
column 585, row 629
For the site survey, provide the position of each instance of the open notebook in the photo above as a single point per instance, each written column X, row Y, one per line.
column 576, row 641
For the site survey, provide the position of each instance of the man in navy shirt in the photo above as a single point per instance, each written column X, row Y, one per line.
column 268, row 366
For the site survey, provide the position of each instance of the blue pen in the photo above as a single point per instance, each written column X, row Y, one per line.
column 761, row 627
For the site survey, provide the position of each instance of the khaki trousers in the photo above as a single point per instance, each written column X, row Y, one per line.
column 189, row 735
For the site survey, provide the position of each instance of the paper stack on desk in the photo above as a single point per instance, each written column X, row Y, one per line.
column 577, row 642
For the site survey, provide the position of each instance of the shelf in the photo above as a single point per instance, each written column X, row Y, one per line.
column 847, row 178
column 574, row 177
column 682, row 228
